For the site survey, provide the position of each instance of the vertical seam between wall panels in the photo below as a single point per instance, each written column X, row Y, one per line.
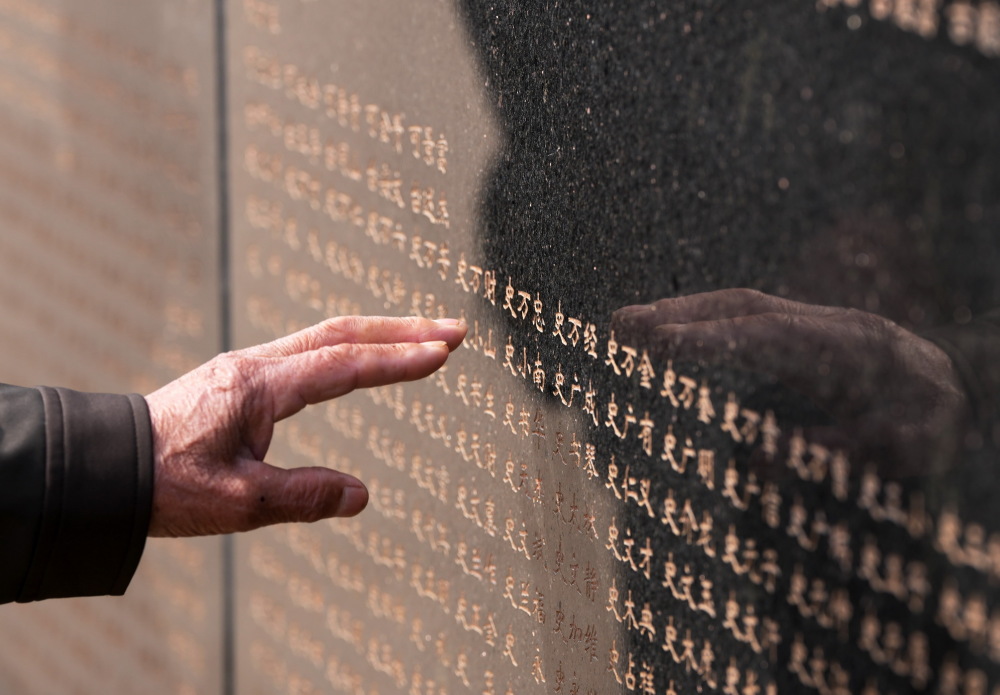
column 225, row 326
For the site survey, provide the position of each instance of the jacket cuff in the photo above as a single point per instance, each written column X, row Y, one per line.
column 98, row 495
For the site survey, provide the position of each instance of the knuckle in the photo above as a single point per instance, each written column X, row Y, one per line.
column 394, row 349
column 390, row 325
column 287, row 502
column 341, row 324
column 790, row 322
column 341, row 360
column 869, row 324
column 327, row 330
column 362, row 325
column 312, row 506
column 351, row 353
column 869, row 334
column 339, row 356
column 295, row 344
column 746, row 296
column 231, row 372
column 781, row 323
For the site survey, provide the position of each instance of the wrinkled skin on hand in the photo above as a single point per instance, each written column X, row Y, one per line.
column 212, row 427
column 895, row 396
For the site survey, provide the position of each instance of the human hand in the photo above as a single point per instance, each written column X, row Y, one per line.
column 212, row 427
column 891, row 391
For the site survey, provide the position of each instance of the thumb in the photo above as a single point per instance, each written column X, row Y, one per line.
column 302, row 495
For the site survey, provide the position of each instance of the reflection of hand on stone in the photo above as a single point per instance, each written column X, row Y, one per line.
column 212, row 427
column 893, row 393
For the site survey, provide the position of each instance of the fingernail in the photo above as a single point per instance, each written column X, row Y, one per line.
column 449, row 322
column 435, row 345
column 352, row 500
column 626, row 310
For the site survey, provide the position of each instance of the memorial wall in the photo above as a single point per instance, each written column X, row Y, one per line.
column 726, row 416
column 109, row 281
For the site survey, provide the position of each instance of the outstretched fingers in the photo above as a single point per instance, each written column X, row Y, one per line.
column 312, row 377
column 364, row 330
column 714, row 306
column 818, row 355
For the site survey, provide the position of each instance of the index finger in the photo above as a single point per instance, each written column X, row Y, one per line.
column 827, row 358
column 315, row 376
column 371, row 330
column 714, row 306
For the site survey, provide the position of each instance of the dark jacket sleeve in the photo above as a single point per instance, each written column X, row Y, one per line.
column 76, row 483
